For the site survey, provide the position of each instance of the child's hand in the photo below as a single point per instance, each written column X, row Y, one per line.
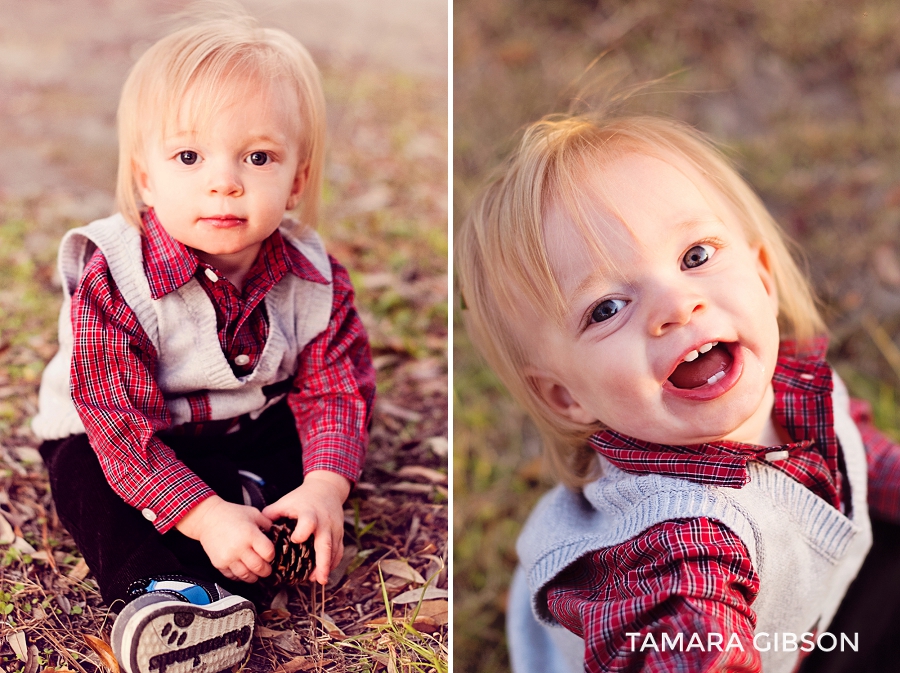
column 317, row 505
column 231, row 537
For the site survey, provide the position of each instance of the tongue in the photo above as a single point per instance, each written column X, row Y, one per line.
column 697, row 373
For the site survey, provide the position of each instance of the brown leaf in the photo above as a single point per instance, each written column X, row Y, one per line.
column 278, row 615
column 280, row 602
column 63, row 603
column 289, row 641
column 7, row 535
column 436, row 610
column 401, row 569
column 427, row 473
column 331, row 628
column 31, row 665
column 416, row 595
column 18, row 644
column 103, row 651
column 79, row 572
column 297, row 664
column 265, row 632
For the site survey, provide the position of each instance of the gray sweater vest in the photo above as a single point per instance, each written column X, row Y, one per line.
column 805, row 552
column 182, row 327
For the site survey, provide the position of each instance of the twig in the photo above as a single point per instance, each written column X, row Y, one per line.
column 883, row 341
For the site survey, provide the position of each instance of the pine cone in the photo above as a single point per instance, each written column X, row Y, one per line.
column 293, row 562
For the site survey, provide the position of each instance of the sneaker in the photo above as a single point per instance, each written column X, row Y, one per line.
column 176, row 624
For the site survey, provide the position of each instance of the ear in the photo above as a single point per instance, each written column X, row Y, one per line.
column 298, row 186
column 558, row 397
column 764, row 268
column 142, row 182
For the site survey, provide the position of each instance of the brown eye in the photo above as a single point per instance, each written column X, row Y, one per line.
column 188, row 158
column 697, row 256
column 606, row 309
column 259, row 158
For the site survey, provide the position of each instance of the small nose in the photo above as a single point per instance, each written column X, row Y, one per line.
column 674, row 306
column 224, row 180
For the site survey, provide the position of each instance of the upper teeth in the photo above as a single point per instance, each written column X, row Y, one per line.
column 705, row 348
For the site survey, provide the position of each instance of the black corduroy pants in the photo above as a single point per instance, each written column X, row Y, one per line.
column 121, row 546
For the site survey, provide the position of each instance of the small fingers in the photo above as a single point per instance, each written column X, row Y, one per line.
column 306, row 526
column 324, row 547
column 256, row 565
column 242, row 573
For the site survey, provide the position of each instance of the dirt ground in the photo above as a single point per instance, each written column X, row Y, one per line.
column 385, row 206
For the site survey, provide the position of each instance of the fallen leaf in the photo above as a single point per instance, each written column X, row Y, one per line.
column 18, row 644
column 31, row 665
column 436, row 610
column 103, row 651
column 63, row 603
column 22, row 545
column 79, row 572
column 397, row 411
column 41, row 556
column 6, row 532
column 274, row 615
column 296, row 664
column 331, row 628
column 416, row 595
column 401, row 569
column 338, row 572
column 289, row 641
column 438, row 445
column 27, row 455
column 410, row 487
column 280, row 602
column 433, row 476
column 265, row 632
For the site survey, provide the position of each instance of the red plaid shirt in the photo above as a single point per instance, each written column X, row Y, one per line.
column 122, row 407
column 694, row 575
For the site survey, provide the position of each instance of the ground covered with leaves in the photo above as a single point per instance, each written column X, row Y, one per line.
column 804, row 96
column 385, row 219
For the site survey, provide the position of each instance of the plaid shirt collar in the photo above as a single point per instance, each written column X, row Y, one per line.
column 169, row 264
column 802, row 384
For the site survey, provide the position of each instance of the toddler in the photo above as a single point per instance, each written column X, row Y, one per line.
column 639, row 301
column 206, row 343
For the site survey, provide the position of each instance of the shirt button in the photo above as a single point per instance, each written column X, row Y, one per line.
column 775, row 456
column 807, row 377
column 242, row 360
column 211, row 275
column 148, row 514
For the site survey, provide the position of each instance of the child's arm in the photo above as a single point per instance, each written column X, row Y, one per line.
column 117, row 397
column 883, row 459
column 332, row 400
column 679, row 577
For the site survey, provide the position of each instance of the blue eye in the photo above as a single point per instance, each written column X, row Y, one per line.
column 697, row 256
column 188, row 158
column 259, row 158
column 606, row 309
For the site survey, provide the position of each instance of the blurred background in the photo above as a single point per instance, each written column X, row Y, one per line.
column 805, row 98
column 385, row 211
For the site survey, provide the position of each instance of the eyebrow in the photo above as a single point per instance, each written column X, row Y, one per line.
column 681, row 226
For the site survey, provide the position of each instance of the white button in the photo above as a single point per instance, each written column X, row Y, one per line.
column 211, row 275
column 807, row 377
column 148, row 514
column 774, row 456
column 241, row 360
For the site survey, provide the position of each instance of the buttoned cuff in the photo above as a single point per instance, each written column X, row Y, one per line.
column 172, row 492
column 335, row 452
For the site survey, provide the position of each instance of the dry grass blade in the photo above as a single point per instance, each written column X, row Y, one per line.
column 19, row 645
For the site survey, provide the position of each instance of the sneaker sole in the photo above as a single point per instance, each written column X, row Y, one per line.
column 174, row 637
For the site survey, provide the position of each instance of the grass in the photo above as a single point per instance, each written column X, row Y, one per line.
column 804, row 98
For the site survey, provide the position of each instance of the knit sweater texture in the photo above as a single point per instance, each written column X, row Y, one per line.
column 182, row 327
column 805, row 552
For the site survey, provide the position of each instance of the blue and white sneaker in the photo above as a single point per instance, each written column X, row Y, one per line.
column 176, row 624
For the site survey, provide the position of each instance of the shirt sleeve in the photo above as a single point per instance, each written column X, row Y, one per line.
column 117, row 397
column 883, row 460
column 334, row 390
column 676, row 598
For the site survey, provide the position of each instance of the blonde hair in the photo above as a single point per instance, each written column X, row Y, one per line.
column 502, row 261
column 206, row 64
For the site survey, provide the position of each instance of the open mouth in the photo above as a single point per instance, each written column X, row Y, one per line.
column 703, row 367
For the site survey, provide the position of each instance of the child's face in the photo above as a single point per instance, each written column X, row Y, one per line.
column 687, row 278
column 224, row 190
